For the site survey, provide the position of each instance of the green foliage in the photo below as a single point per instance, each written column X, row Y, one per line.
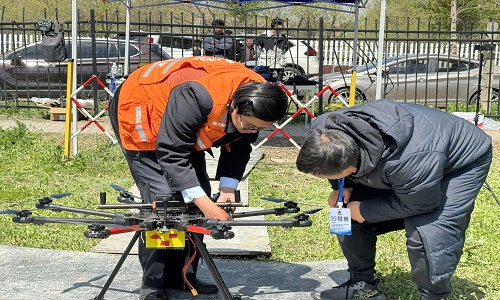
column 31, row 167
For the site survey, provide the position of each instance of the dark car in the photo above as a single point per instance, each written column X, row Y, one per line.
column 25, row 74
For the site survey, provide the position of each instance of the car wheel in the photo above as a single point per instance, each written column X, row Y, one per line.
column 495, row 95
column 290, row 72
column 344, row 93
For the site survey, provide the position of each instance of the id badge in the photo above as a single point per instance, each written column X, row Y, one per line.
column 340, row 218
column 340, row 221
column 172, row 239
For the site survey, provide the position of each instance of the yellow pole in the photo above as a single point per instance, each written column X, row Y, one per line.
column 67, row 131
column 352, row 90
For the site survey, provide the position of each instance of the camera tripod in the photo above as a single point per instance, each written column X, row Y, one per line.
column 164, row 214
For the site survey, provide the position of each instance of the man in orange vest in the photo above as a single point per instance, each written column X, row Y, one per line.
column 165, row 116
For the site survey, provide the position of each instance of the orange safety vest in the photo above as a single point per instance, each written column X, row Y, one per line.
column 144, row 98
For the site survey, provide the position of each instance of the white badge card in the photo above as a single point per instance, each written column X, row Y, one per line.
column 340, row 221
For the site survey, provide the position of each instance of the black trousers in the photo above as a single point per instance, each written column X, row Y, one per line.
column 162, row 268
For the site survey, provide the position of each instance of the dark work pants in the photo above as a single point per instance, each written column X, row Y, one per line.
column 162, row 268
column 459, row 192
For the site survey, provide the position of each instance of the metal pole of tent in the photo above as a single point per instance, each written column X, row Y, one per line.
column 127, row 38
column 380, row 50
column 352, row 92
column 74, row 37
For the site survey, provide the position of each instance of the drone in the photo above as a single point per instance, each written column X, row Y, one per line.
column 166, row 214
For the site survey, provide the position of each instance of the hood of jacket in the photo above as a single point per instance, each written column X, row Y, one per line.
column 379, row 127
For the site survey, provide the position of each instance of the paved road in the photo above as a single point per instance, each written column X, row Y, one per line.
column 28, row 273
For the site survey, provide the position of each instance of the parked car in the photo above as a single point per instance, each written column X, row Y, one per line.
column 175, row 44
column 25, row 74
column 433, row 80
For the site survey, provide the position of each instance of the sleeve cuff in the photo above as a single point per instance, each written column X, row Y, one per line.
column 228, row 182
column 192, row 193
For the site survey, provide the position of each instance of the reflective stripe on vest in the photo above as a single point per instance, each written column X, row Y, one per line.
column 200, row 143
column 138, row 127
column 165, row 70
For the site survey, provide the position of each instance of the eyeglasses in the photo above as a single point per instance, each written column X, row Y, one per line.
column 245, row 125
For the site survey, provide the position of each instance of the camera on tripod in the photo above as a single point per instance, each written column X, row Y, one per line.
column 44, row 25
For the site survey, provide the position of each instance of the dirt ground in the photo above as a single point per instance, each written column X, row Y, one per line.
column 282, row 151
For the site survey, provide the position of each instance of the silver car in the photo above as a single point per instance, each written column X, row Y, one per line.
column 433, row 80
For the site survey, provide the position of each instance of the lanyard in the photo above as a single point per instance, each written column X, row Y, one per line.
column 341, row 192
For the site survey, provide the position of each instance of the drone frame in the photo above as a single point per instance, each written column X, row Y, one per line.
column 167, row 212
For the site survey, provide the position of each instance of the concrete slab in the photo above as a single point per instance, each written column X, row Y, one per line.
column 28, row 273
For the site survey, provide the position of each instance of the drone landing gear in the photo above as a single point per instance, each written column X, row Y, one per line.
column 219, row 282
column 118, row 265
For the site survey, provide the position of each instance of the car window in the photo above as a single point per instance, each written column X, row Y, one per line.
column 33, row 51
column 156, row 49
column 453, row 65
column 132, row 50
column 416, row 66
column 176, row 42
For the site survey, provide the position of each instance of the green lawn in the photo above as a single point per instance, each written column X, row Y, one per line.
column 31, row 167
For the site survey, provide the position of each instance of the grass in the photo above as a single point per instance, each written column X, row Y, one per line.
column 31, row 167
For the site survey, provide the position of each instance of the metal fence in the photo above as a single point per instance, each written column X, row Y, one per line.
column 333, row 45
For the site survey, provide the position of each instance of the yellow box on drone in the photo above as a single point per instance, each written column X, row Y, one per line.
column 158, row 239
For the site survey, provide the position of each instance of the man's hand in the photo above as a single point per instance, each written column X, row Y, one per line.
column 334, row 197
column 210, row 210
column 225, row 194
column 355, row 213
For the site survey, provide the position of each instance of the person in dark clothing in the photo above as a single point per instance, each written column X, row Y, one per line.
column 247, row 56
column 166, row 115
column 406, row 166
column 235, row 51
column 272, row 47
column 216, row 43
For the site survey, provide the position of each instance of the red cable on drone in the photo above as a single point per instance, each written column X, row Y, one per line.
column 184, row 269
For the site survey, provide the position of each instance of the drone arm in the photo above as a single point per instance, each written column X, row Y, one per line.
column 44, row 220
column 59, row 208
column 276, row 211
column 282, row 223
column 221, row 232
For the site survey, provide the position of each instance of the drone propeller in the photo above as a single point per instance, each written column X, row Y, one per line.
column 59, row 195
column 9, row 212
column 124, row 192
column 311, row 211
column 279, row 200
column 46, row 198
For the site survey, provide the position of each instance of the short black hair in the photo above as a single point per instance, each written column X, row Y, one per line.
column 264, row 100
column 277, row 22
column 218, row 23
column 327, row 152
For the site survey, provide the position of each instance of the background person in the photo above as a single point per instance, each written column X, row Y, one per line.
column 272, row 47
column 406, row 166
column 166, row 115
column 216, row 43
column 247, row 56
column 235, row 52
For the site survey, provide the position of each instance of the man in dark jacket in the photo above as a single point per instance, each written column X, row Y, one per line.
column 406, row 166
column 217, row 43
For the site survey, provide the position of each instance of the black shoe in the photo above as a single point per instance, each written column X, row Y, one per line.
column 201, row 287
column 151, row 293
